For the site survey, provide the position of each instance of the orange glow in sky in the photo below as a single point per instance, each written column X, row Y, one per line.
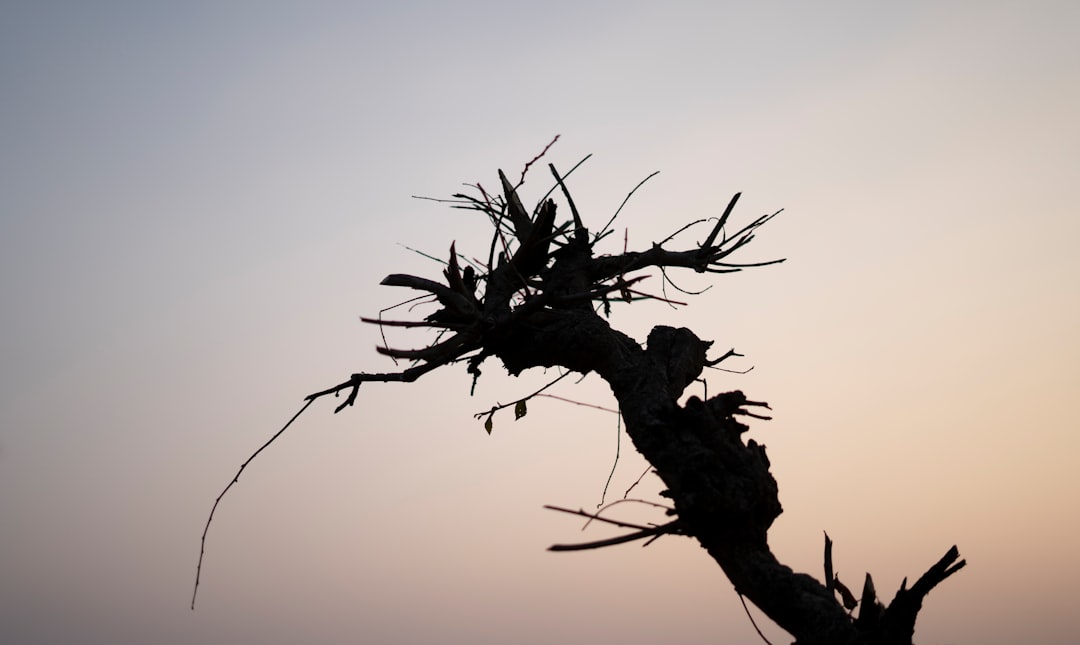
column 198, row 202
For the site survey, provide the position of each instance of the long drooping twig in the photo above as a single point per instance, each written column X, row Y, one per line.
column 236, row 478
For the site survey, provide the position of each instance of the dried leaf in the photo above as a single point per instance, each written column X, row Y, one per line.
column 520, row 410
column 488, row 424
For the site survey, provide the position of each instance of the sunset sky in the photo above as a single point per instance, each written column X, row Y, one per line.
column 199, row 199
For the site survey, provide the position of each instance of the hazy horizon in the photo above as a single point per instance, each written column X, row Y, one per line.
column 198, row 201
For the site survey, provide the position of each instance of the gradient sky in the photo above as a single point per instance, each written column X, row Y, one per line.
column 198, row 200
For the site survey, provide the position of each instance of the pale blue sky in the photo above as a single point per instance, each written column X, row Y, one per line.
column 197, row 202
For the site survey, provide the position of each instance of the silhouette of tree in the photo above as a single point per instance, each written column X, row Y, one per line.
column 542, row 300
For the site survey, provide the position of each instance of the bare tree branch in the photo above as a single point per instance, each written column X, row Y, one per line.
column 604, row 230
column 236, row 478
column 538, row 303
column 622, row 539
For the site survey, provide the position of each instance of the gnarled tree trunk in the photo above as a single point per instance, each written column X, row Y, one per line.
column 539, row 303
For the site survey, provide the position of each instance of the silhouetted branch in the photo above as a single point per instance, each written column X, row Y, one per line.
column 937, row 574
column 648, row 296
column 516, row 403
column 518, row 215
column 637, row 481
column 642, row 532
column 354, row 382
column 582, row 404
column 598, row 292
column 604, row 230
column 535, row 159
column 684, row 227
column 730, row 353
column 440, row 353
column 688, row 292
column 455, row 302
column 899, row 617
column 720, row 223
column 870, row 610
column 651, row 532
column 236, row 478
column 421, row 253
column 742, row 599
column 828, row 564
column 846, row 596
column 403, row 323
column 706, row 259
column 568, row 173
column 580, row 234
column 538, row 302
column 614, row 463
column 594, row 516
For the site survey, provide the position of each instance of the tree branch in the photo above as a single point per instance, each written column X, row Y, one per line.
column 236, row 478
column 704, row 259
column 652, row 532
column 641, row 533
column 518, row 215
column 581, row 235
column 537, row 310
column 899, row 618
column 354, row 382
column 598, row 518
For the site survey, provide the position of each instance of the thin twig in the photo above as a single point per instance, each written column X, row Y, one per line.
column 680, row 289
column 497, row 407
column 401, row 323
column 652, row 532
column 664, row 280
column 236, row 478
column 672, row 236
column 647, row 296
column 535, row 159
column 596, row 516
column 430, row 257
column 638, row 480
column 643, row 532
column 747, row 609
column 593, row 516
column 405, row 376
column 382, row 332
column 724, row 369
column 628, row 196
column 618, row 444
column 568, row 173
column 584, row 405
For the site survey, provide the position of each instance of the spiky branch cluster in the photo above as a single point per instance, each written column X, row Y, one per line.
column 533, row 265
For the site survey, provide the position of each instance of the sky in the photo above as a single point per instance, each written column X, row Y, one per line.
column 198, row 201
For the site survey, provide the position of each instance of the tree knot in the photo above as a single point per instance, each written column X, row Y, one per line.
column 679, row 354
